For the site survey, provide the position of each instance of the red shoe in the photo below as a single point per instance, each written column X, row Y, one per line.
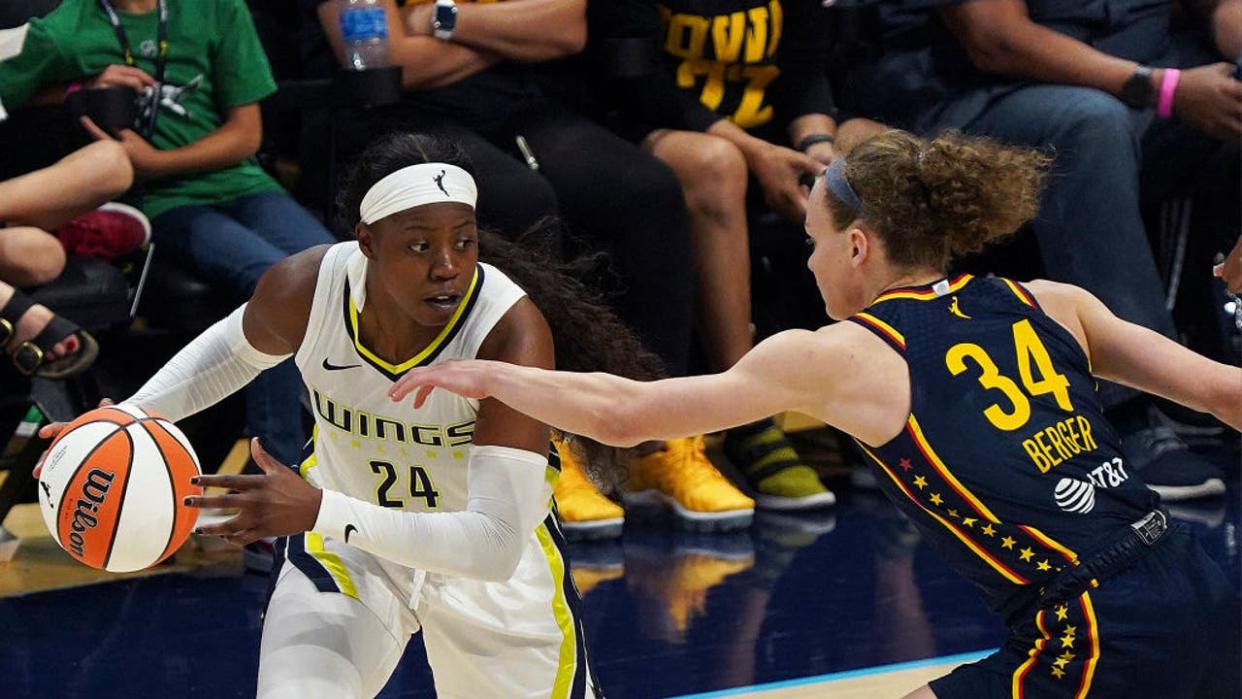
column 111, row 231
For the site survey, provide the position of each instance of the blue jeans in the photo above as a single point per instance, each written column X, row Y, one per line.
column 1090, row 228
column 230, row 246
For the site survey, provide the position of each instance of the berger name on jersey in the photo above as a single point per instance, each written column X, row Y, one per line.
column 361, row 424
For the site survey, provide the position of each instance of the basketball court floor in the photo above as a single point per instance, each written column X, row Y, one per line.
column 845, row 603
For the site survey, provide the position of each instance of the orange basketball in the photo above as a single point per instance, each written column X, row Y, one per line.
column 113, row 486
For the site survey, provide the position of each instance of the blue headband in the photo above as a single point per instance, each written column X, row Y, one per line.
column 840, row 186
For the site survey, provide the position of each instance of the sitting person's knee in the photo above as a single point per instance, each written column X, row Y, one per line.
column 110, row 163
column 720, row 162
column 29, row 257
column 1093, row 115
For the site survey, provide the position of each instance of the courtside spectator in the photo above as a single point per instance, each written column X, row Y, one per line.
column 737, row 103
column 39, row 342
column 201, row 71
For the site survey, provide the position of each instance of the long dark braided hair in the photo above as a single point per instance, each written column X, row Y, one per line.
column 588, row 334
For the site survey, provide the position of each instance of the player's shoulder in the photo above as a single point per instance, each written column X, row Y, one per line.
column 1059, row 296
column 521, row 336
column 296, row 275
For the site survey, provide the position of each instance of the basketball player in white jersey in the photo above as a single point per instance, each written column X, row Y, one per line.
column 434, row 519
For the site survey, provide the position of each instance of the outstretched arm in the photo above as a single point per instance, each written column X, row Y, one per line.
column 775, row 376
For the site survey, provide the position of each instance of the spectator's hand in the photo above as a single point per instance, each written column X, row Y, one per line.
column 1231, row 269
column 146, row 158
column 52, row 430
column 277, row 503
column 823, row 152
column 778, row 171
column 126, row 76
column 1210, row 99
column 418, row 20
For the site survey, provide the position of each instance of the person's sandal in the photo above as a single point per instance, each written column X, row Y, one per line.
column 30, row 357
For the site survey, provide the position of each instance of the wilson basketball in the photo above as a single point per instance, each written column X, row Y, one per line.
column 113, row 486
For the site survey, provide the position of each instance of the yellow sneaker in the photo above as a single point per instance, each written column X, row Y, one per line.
column 681, row 477
column 779, row 477
column 585, row 513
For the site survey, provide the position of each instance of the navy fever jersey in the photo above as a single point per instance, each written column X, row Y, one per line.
column 1006, row 463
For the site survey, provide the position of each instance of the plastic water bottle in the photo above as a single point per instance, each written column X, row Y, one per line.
column 364, row 29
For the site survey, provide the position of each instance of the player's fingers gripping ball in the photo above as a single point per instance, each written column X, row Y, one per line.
column 113, row 486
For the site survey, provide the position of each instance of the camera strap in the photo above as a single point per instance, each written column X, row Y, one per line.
column 161, row 60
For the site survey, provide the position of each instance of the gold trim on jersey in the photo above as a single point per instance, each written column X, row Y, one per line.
column 450, row 329
column 917, row 294
column 1023, row 295
column 889, row 331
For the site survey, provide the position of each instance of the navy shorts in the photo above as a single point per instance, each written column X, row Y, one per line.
column 1167, row 627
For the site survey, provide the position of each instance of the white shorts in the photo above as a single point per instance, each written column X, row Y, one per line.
column 339, row 618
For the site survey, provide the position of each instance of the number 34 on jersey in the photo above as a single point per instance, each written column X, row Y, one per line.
column 1051, row 445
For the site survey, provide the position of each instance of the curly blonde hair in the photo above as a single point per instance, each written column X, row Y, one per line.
column 933, row 201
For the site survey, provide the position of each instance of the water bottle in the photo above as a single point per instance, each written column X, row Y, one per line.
column 364, row 29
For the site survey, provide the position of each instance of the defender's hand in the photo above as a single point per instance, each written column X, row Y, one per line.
column 466, row 378
column 277, row 503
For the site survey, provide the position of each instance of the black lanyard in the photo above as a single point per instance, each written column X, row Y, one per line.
column 161, row 61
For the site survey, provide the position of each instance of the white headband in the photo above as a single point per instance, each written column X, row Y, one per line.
column 417, row 185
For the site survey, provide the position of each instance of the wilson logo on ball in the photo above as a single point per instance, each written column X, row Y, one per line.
column 94, row 492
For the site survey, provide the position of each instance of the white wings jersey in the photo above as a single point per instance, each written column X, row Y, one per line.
column 365, row 445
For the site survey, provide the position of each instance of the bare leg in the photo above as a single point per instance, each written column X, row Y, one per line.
column 78, row 183
column 29, row 257
column 713, row 175
column 923, row 692
column 32, row 323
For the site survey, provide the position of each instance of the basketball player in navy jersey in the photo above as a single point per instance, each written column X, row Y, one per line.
column 432, row 520
column 973, row 398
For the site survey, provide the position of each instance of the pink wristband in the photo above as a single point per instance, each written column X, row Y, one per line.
column 1168, row 85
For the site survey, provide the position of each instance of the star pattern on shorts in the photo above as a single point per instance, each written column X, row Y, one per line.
column 969, row 521
column 1044, row 565
column 936, row 499
column 1026, row 554
column 988, row 530
column 1062, row 612
column 1067, row 641
column 920, row 482
column 905, row 464
column 1008, row 543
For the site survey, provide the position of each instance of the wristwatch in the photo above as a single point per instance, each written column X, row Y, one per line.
column 1138, row 92
column 444, row 19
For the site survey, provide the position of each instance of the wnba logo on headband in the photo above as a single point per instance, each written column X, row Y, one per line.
column 418, row 185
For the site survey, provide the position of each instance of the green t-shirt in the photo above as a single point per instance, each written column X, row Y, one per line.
column 215, row 62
